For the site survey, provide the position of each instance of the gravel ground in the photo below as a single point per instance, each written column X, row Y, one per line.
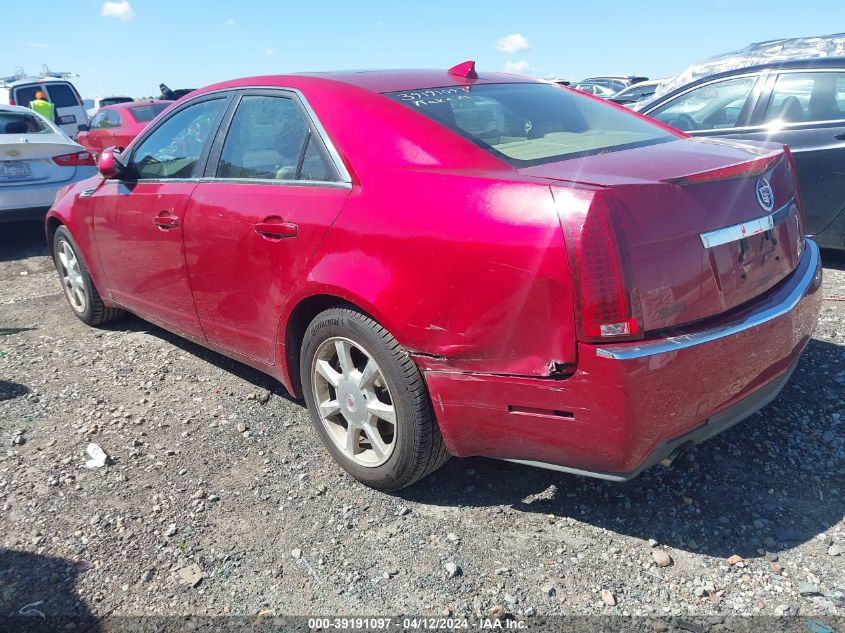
column 213, row 465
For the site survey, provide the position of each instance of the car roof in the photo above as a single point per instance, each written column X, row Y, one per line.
column 377, row 81
column 24, row 81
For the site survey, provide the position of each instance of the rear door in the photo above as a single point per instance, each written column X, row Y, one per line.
column 806, row 110
column 139, row 220
column 270, row 193
column 70, row 113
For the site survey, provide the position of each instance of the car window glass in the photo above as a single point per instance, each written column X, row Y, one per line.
column 530, row 124
column 265, row 140
column 174, row 147
column 114, row 100
column 709, row 107
column 61, row 95
column 314, row 164
column 108, row 119
column 97, row 121
column 146, row 113
column 25, row 94
column 22, row 123
column 805, row 97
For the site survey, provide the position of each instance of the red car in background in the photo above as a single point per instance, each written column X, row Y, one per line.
column 452, row 262
column 116, row 125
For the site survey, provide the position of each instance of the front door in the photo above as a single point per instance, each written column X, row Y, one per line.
column 139, row 219
column 270, row 194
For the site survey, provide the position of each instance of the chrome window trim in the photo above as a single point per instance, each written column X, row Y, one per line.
column 808, row 269
column 334, row 155
column 742, row 230
column 333, row 184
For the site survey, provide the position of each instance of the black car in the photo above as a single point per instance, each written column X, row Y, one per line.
column 800, row 103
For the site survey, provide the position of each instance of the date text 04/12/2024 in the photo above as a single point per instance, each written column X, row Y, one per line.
column 428, row 624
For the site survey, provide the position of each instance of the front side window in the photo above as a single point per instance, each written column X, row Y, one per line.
column 173, row 149
column 21, row 123
column 105, row 119
column 269, row 139
column 714, row 106
column 532, row 123
column 807, row 97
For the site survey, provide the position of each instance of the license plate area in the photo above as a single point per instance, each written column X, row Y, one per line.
column 15, row 170
column 67, row 118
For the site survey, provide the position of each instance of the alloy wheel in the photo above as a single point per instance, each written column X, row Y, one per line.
column 72, row 279
column 353, row 401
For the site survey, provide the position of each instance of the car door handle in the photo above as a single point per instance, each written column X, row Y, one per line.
column 166, row 221
column 275, row 228
column 839, row 137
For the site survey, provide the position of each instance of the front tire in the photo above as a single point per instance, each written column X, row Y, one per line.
column 79, row 288
column 368, row 401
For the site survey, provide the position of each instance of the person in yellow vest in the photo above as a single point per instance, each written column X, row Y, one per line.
column 43, row 107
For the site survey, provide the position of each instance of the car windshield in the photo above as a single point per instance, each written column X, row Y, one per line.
column 528, row 124
column 22, row 123
column 146, row 113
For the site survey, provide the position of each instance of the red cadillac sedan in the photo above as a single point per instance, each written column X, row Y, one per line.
column 456, row 263
column 116, row 125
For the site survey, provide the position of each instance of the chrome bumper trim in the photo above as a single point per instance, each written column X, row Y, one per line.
column 744, row 230
column 803, row 277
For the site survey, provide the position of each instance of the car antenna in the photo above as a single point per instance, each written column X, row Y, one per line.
column 464, row 69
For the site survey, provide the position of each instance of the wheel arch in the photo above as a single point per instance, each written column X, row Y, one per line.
column 292, row 330
column 52, row 225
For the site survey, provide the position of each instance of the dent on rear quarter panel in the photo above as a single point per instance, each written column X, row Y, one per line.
column 466, row 269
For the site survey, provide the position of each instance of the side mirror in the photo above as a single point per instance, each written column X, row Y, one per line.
column 83, row 128
column 108, row 164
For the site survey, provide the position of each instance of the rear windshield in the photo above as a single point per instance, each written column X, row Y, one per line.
column 145, row 113
column 112, row 100
column 22, row 123
column 532, row 123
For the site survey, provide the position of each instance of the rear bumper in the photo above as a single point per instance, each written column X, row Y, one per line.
column 629, row 406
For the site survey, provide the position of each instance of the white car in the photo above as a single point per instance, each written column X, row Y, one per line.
column 36, row 160
column 95, row 103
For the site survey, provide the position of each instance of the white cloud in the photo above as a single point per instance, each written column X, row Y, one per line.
column 513, row 43
column 268, row 52
column 230, row 22
column 121, row 10
column 37, row 45
column 517, row 67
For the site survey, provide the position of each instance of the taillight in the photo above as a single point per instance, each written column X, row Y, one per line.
column 74, row 160
column 746, row 169
column 606, row 308
column 11, row 101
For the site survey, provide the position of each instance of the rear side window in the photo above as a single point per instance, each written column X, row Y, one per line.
column 21, row 123
column 62, row 95
column 25, row 94
column 146, row 113
column 713, row 106
column 269, row 139
column 807, row 97
column 532, row 123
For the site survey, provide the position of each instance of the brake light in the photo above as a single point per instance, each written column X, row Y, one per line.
column 606, row 307
column 745, row 169
column 12, row 101
column 74, row 160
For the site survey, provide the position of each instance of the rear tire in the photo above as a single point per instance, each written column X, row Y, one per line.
column 79, row 288
column 368, row 401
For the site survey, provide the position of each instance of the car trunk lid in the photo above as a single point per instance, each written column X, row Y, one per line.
column 705, row 226
column 28, row 158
